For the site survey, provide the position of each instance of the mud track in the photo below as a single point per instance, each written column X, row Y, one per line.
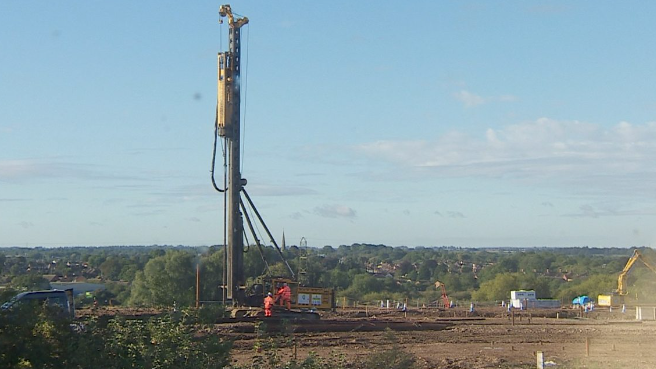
column 453, row 339
column 596, row 340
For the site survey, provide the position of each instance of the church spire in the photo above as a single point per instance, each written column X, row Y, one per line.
column 284, row 247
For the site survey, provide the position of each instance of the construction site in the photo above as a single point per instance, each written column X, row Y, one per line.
column 447, row 336
column 459, row 339
column 281, row 317
column 455, row 338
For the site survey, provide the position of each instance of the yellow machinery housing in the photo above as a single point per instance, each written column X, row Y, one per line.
column 609, row 300
column 305, row 297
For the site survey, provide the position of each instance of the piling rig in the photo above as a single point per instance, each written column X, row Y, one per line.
column 237, row 202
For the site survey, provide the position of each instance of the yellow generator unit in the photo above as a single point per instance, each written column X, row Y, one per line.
column 609, row 300
column 305, row 297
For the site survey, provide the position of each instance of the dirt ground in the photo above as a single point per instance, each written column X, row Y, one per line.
column 601, row 339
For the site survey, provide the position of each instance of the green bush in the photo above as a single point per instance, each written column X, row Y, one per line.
column 34, row 336
column 208, row 314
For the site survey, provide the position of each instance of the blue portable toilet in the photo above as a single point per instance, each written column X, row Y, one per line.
column 581, row 300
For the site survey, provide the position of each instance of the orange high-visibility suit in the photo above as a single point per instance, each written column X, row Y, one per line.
column 285, row 296
column 268, row 305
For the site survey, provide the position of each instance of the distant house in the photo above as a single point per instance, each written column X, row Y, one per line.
column 52, row 277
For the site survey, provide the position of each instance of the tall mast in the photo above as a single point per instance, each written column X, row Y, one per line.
column 228, row 127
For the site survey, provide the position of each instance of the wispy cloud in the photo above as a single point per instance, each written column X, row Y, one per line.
column 13, row 200
column 335, row 211
column 286, row 23
column 265, row 190
column 548, row 9
column 598, row 211
column 20, row 170
column 572, row 152
column 450, row 214
column 26, row 225
column 470, row 99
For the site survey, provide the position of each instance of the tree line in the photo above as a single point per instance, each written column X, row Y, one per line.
column 366, row 273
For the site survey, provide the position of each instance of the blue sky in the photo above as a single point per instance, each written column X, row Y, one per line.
column 464, row 123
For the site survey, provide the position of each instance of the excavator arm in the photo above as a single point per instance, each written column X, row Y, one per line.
column 621, row 280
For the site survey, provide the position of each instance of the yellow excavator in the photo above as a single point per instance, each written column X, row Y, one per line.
column 617, row 297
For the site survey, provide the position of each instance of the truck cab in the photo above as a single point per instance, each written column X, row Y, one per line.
column 58, row 298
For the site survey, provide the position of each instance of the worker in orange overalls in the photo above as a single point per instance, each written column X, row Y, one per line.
column 268, row 304
column 287, row 296
column 284, row 296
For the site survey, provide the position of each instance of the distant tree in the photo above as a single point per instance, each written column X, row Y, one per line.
column 61, row 268
column 128, row 272
column 211, row 273
column 254, row 265
column 509, row 264
column 111, row 268
column 95, row 260
column 117, row 293
column 30, row 282
column 327, row 250
column 490, row 272
column 497, row 289
column 398, row 253
column 440, row 270
column 425, row 272
column 363, row 284
column 468, row 280
column 451, row 282
column 166, row 279
column 279, row 269
column 339, row 279
column 537, row 262
column 592, row 286
column 314, row 269
column 16, row 269
column 643, row 285
column 157, row 252
column 350, row 263
column 543, row 286
column 403, row 268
